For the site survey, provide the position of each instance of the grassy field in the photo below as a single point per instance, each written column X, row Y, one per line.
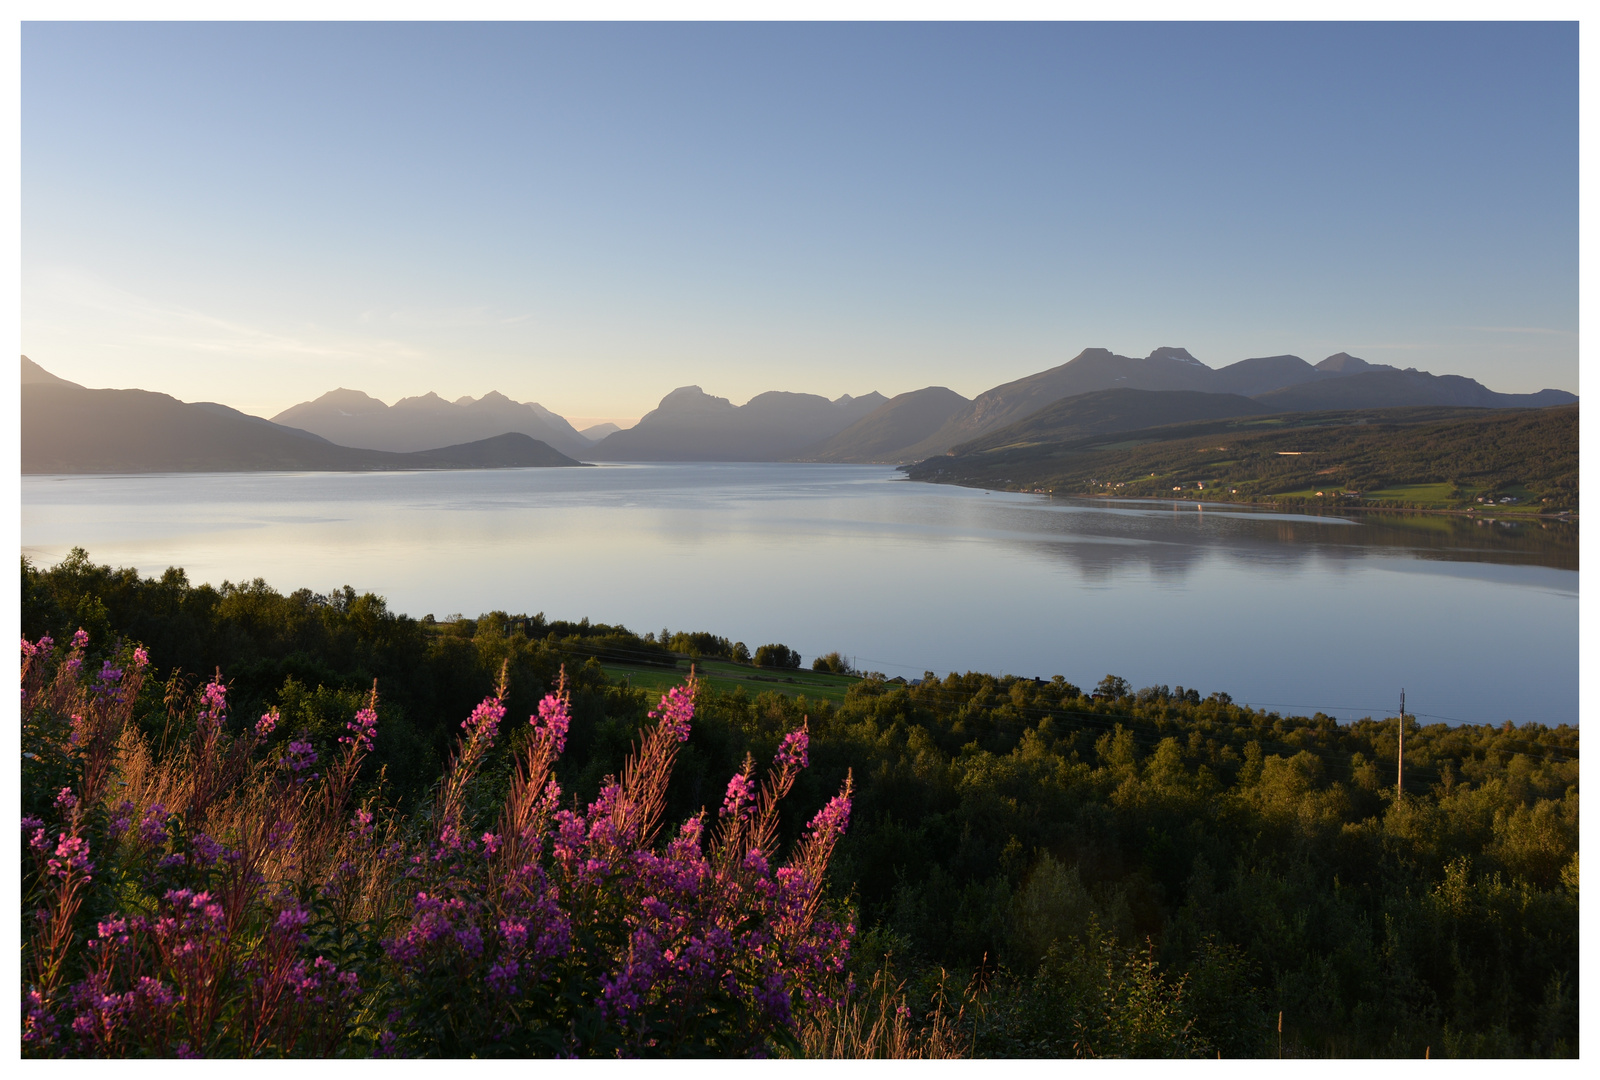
column 726, row 675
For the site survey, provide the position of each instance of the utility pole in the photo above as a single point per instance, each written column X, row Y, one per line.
column 1400, row 751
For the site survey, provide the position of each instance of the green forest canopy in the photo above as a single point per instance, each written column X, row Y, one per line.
column 1119, row 870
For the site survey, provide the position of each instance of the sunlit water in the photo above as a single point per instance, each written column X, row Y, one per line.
column 1476, row 621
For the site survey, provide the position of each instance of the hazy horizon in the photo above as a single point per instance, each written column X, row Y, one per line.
column 589, row 216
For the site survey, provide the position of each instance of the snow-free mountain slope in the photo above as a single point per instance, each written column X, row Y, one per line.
column 692, row 425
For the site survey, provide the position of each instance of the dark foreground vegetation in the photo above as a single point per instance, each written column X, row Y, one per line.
column 1030, row 868
column 1436, row 458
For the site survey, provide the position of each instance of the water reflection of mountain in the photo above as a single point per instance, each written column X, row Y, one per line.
column 1100, row 538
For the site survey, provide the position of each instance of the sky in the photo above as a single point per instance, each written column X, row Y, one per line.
column 589, row 216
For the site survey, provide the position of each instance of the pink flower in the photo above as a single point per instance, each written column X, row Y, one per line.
column 141, row 659
column 80, row 639
column 792, row 752
column 552, row 720
column 363, row 730
column 484, row 719
column 213, row 706
column 268, row 721
column 833, row 817
column 740, row 793
column 675, row 711
column 72, row 853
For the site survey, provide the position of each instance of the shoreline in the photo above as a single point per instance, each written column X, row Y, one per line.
column 1566, row 516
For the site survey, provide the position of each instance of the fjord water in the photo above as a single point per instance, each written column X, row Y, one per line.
column 1295, row 613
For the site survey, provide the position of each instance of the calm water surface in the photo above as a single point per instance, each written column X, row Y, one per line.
column 1478, row 622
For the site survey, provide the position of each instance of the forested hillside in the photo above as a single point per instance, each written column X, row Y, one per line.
column 1098, row 871
column 1411, row 457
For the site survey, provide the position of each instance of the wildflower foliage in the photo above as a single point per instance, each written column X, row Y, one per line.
column 230, row 892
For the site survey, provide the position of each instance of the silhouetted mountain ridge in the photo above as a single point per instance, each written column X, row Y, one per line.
column 692, row 425
column 1280, row 383
column 425, row 421
column 67, row 428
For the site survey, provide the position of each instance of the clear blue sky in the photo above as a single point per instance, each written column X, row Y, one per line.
column 589, row 216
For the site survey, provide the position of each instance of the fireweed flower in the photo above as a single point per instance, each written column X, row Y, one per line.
column 552, row 720
column 106, row 683
column 120, row 819
column 152, row 827
column 363, row 730
column 792, row 751
column 484, row 719
column 301, row 755
column 832, row 818
column 141, row 659
column 656, row 929
column 206, row 850
column 292, row 921
column 72, row 853
column 268, row 721
column 213, row 706
column 740, row 793
column 66, row 801
column 80, row 639
column 675, row 711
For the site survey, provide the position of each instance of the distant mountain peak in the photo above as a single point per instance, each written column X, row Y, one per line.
column 1169, row 352
column 1342, row 363
column 692, row 398
column 430, row 400
column 351, row 402
column 33, row 373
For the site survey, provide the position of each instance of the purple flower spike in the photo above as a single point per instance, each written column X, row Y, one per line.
column 552, row 720
column 213, row 706
column 301, row 755
column 833, row 817
column 363, row 730
column 484, row 719
column 740, row 792
column 793, row 750
column 675, row 711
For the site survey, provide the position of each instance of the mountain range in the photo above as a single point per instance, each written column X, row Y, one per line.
column 69, row 428
column 351, row 418
column 346, row 428
column 692, row 425
column 1279, row 383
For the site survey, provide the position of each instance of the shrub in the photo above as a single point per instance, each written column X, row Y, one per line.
column 833, row 662
column 777, row 656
